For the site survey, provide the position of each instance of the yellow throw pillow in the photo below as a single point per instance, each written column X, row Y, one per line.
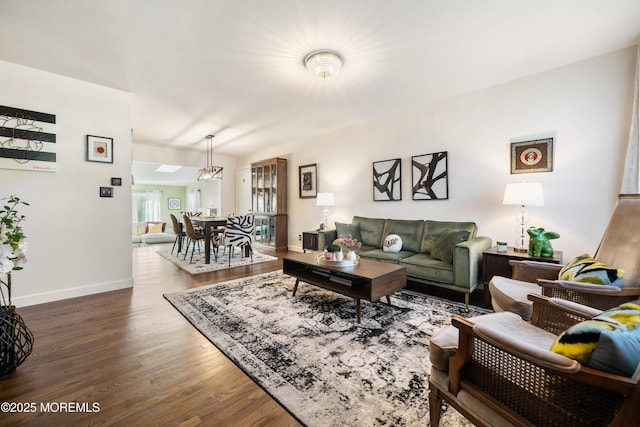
column 155, row 228
column 585, row 269
column 609, row 342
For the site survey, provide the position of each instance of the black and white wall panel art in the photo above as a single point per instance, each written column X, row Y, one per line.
column 430, row 178
column 27, row 140
column 387, row 180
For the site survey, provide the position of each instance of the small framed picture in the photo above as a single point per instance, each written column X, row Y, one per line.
column 99, row 149
column 308, row 181
column 532, row 156
column 174, row 204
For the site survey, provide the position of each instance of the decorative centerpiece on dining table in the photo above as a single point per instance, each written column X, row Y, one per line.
column 16, row 340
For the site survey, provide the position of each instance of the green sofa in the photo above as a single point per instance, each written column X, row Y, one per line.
column 440, row 253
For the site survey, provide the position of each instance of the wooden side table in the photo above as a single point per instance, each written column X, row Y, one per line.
column 309, row 240
column 314, row 240
column 496, row 263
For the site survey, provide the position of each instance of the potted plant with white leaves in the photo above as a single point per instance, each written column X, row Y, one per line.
column 16, row 340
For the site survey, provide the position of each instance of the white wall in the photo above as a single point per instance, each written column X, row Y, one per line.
column 220, row 194
column 79, row 243
column 586, row 106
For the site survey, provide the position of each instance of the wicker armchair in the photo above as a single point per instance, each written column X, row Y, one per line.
column 501, row 373
column 618, row 249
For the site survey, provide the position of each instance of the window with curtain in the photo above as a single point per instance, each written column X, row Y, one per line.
column 193, row 200
column 146, row 206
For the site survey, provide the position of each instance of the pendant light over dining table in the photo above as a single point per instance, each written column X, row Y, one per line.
column 211, row 172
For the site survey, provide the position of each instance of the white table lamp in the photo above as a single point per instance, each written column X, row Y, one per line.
column 523, row 194
column 326, row 200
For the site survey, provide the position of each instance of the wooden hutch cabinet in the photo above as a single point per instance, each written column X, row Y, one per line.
column 269, row 205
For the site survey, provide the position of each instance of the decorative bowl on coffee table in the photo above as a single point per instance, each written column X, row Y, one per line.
column 343, row 263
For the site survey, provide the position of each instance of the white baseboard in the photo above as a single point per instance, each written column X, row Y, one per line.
column 80, row 291
column 295, row 248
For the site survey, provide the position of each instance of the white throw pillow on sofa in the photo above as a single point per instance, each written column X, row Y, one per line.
column 392, row 243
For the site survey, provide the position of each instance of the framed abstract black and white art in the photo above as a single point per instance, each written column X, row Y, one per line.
column 429, row 176
column 387, row 180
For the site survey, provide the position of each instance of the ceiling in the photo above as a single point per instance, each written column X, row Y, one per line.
column 234, row 67
column 145, row 173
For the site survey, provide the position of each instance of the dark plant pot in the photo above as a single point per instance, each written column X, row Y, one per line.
column 16, row 341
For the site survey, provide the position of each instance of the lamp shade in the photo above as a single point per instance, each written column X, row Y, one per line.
column 325, row 199
column 523, row 194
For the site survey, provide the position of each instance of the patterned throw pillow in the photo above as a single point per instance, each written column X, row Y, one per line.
column 392, row 243
column 585, row 269
column 609, row 342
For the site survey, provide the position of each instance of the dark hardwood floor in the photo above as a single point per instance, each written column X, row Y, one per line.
column 134, row 355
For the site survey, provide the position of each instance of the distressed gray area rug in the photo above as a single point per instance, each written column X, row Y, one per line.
column 198, row 266
column 309, row 353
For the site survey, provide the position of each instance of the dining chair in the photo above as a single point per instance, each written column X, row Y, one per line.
column 180, row 234
column 239, row 233
column 193, row 237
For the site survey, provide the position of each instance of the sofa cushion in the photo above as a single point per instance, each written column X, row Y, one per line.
column 585, row 269
column 433, row 230
column 370, row 230
column 392, row 243
column 151, row 238
column 424, row 267
column 610, row 341
column 344, row 229
column 409, row 230
column 381, row 255
column 443, row 245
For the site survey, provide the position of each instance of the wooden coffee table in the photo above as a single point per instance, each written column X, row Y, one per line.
column 369, row 280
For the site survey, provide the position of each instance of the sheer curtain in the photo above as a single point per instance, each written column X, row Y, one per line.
column 631, row 177
column 193, row 200
column 147, row 206
column 154, row 207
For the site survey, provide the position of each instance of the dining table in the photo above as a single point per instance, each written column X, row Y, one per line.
column 208, row 222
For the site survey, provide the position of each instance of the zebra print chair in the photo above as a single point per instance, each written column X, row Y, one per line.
column 239, row 233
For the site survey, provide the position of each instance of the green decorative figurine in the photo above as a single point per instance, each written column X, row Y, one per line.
column 539, row 244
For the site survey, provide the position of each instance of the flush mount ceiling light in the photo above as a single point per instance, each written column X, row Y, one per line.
column 210, row 172
column 323, row 64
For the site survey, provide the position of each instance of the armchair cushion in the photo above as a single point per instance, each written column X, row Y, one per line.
column 609, row 342
column 444, row 344
column 511, row 295
column 585, row 269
